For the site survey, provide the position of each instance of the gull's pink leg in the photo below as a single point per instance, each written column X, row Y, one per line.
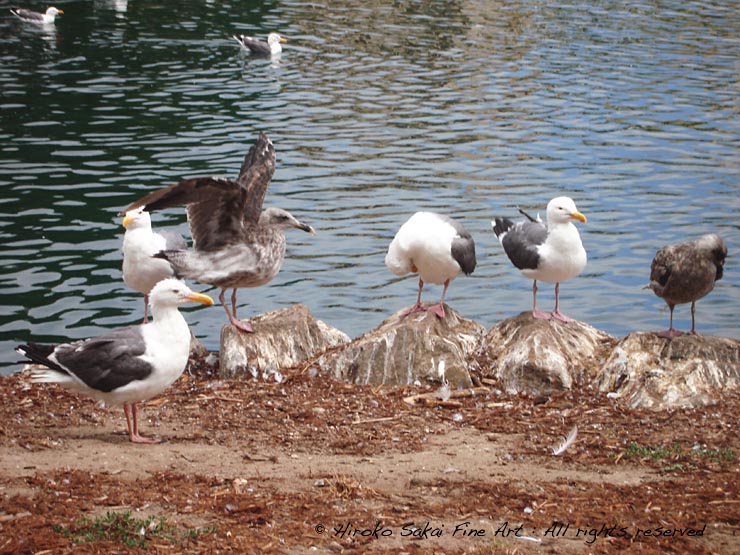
column 693, row 320
column 146, row 308
column 132, row 422
column 556, row 313
column 538, row 313
column 439, row 308
column 670, row 333
column 245, row 327
column 418, row 306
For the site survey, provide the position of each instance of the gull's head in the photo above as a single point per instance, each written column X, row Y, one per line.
column 53, row 11
column 282, row 219
column 562, row 210
column 275, row 38
column 714, row 248
column 173, row 292
column 138, row 218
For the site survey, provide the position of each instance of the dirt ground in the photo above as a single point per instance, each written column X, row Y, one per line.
column 310, row 465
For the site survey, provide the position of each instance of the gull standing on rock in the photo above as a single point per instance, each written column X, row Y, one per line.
column 127, row 365
column 437, row 248
column 235, row 243
column 686, row 272
column 141, row 270
column 256, row 46
column 552, row 252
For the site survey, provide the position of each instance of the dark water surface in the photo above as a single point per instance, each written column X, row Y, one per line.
column 377, row 109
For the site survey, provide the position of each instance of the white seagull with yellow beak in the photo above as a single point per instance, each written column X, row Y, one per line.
column 552, row 252
column 127, row 365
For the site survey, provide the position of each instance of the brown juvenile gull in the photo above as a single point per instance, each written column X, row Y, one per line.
column 127, row 365
column 141, row 271
column 685, row 272
column 235, row 243
column 35, row 17
column 256, row 46
column 437, row 248
column 552, row 252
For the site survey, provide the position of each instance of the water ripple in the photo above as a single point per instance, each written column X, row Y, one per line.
column 468, row 107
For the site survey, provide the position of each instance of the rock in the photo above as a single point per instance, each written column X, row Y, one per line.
column 282, row 339
column 649, row 371
column 403, row 350
column 196, row 347
column 539, row 357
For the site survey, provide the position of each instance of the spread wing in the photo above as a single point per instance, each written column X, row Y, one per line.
column 255, row 175
column 218, row 208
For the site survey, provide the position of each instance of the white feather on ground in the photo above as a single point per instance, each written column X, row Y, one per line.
column 567, row 442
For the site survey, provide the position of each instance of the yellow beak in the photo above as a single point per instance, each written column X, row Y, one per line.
column 578, row 216
column 60, row 11
column 283, row 40
column 127, row 221
column 200, row 298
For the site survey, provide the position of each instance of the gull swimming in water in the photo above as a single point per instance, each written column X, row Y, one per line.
column 256, row 46
column 35, row 17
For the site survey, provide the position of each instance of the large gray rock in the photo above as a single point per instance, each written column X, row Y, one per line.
column 649, row 371
column 282, row 339
column 539, row 357
column 418, row 347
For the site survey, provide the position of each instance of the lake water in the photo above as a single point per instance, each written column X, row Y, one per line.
column 377, row 109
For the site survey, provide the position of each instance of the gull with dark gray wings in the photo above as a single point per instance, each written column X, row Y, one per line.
column 437, row 248
column 686, row 272
column 256, row 46
column 551, row 252
column 235, row 243
column 127, row 365
column 35, row 17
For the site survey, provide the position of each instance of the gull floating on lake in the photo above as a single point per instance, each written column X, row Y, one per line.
column 551, row 252
column 686, row 272
column 437, row 248
column 35, row 17
column 127, row 365
column 256, row 46
column 141, row 270
column 235, row 243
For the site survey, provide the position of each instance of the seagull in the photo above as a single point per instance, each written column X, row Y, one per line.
column 141, row 271
column 36, row 17
column 127, row 365
column 685, row 272
column 256, row 46
column 552, row 252
column 437, row 248
column 235, row 243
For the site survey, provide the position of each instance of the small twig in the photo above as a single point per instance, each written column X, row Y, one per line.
column 374, row 420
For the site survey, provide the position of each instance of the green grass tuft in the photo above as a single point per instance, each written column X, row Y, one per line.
column 124, row 529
